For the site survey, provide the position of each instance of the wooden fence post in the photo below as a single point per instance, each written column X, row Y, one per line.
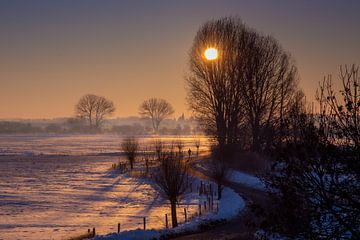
column 185, row 214
column 118, row 227
column 166, row 221
column 199, row 209
column 94, row 232
column 144, row 223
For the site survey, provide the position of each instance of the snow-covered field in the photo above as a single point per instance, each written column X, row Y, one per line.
column 82, row 144
column 46, row 195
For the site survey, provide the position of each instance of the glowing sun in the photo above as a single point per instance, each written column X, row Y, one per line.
column 211, row 54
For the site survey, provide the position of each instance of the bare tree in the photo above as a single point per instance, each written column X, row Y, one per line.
column 180, row 146
column 157, row 110
column 103, row 108
column 94, row 109
column 130, row 146
column 197, row 145
column 158, row 148
column 218, row 168
column 249, row 84
column 317, row 167
column 173, row 180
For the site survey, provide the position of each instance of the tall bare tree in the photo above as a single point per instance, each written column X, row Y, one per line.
column 157, row 110
column 250, row 83
column 94, row 109
column 173, row 180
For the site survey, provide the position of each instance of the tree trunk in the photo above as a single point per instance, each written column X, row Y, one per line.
column 131, row 164
column 219, row 191
column 173, row 214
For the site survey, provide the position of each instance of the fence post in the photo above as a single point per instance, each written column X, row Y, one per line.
column 185, row 214
column 144, row 223
column 118, row 227
column 199, row 209
column 204, row 206
column 94, row 232
column 166, row 221
column 212, row 203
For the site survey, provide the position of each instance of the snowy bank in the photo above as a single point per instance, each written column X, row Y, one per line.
column 246, row 179
column 229, row 207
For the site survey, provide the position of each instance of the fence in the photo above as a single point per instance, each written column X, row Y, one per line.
column 207, row 203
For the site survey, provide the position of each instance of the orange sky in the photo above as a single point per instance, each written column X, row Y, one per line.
column 51, row 53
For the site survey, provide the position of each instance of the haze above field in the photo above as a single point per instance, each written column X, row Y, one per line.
column 54, row 52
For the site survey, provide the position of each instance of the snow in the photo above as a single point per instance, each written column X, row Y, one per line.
column 56, row 187
column 63, row 144
column 239, row 177
column 247, row 179
column 230, row 206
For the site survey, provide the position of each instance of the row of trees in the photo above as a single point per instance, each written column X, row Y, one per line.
column 94, row 109
column 242, row 96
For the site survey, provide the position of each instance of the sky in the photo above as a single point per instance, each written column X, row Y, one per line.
column 53, row 52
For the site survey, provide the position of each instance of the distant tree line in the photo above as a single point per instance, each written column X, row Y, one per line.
column 135, row 126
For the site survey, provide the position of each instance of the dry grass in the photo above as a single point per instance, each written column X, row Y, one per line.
column 81, row 237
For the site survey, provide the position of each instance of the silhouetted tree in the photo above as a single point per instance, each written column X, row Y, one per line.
column 249, row 84
column 315, row 179
column 157, row 110
column 94, row 109
column 173, row 180
column 130, row 146
column 218, row 168
column 197, row 145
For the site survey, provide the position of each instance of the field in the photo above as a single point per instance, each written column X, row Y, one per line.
column 55, row 187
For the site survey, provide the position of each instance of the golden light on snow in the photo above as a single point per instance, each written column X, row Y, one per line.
column 211, row 54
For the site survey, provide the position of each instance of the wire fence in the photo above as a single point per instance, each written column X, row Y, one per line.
column 207, row 203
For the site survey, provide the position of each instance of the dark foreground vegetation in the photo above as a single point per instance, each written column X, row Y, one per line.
column 248, row 99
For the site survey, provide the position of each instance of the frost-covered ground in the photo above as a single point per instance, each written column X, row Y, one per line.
column 229, row 206
column 47, row 196
column 246, row 179
column 243, row 178
column 82, row 144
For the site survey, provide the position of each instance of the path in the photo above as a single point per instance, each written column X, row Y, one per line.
column 237, row 228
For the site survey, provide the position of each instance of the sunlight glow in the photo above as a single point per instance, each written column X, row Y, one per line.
column 211, row 54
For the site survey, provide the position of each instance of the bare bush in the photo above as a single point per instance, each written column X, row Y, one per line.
column 316, row 172
column 197, row 145
column 130, row 146
column 173, row 180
